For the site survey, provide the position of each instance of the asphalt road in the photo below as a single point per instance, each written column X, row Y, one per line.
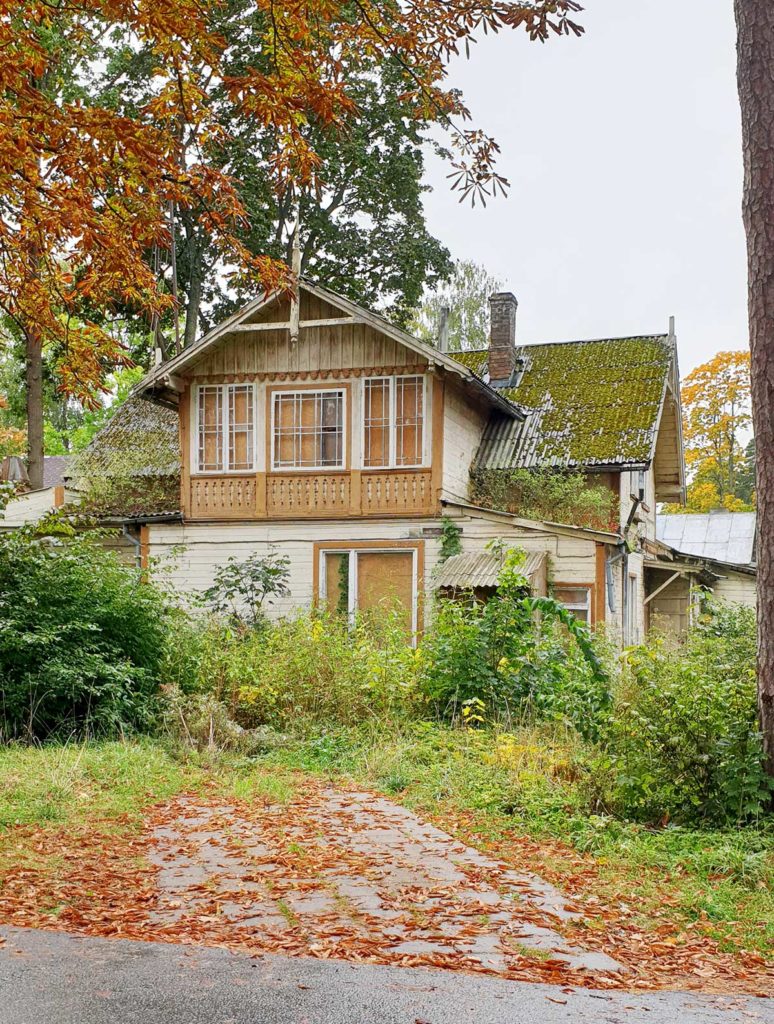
column 55, row 978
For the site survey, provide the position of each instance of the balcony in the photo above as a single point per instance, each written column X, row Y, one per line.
column 312, row 495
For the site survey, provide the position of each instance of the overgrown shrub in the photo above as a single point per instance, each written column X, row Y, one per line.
column 241, row 589
column 81, row 637
column 552, row 495
column 684, row 741
column 312, row 670
column 511, row 658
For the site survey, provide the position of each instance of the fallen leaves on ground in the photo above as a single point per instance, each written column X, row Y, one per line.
column 101, row 880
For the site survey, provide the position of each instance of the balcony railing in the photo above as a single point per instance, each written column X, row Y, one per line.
column 311, row 495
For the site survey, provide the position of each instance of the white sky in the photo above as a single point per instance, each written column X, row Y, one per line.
column 623, row 149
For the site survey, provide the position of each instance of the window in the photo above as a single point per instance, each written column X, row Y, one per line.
column 576, row 600
column 393, row 422
column 357, row 580
column 308, row 429
column 225, row 428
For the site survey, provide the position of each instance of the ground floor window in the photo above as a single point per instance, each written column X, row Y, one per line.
column 361, row 578
column 576, row 599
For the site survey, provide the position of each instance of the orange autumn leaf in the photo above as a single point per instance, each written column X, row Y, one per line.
column 86, row 190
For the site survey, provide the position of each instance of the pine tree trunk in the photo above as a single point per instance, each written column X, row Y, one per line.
column 755, row 54
column 34, row 402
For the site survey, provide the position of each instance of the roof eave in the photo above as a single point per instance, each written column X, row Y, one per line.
column 602, row 536
column 157, row 384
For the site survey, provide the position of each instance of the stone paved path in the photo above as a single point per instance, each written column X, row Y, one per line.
column 351, row 874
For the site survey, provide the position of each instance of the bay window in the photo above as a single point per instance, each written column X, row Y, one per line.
column 393, row 422
column 225, row 420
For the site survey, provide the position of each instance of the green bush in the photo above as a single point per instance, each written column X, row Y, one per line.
column 684, row 741
column 81, row 637
column 547, row 494
column 312, row 670
column 511, row 658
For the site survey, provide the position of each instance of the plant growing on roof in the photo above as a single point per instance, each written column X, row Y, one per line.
column 241, row 589
column 547, row 494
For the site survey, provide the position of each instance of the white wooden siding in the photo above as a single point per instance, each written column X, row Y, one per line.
column 30, row 507
column 463, row 425
column 736, row 588
column 186, row 556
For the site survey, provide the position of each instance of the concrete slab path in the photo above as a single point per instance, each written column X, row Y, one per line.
column 352, row 875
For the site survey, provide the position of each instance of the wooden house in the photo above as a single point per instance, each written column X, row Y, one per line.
column 320, row 430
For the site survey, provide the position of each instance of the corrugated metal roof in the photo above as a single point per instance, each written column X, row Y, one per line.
column 723, row 536
column 588, row 403
column 481, row 569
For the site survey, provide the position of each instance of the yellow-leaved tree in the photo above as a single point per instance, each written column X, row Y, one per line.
column 717, row 419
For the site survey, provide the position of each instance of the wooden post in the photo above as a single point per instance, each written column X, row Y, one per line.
column 600, row 588
column 295, row 301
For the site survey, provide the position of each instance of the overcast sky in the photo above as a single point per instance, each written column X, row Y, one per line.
column 624, row 155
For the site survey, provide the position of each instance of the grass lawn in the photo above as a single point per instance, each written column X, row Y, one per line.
column 520, row 796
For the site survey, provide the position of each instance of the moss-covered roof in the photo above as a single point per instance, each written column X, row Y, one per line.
column 142, row 439
column 588, row 403
column 131, row 468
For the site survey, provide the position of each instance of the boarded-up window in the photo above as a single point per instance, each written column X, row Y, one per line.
column 377, row 422
column 385, row 580
column 308, row 430
column 225, row 428
column 394, row 418
column 576, row 600
column 361, row 580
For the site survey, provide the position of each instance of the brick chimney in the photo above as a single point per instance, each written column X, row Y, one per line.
column 502, row 337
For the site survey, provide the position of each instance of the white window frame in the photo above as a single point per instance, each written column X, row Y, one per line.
column 392, row 427
column 225, row 453
column 576, row 606
column 344, row 431
column 353, row 581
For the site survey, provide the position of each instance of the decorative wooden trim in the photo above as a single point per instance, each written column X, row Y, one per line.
column 436, row 457
column 600, row 583
column 260, row 495
column 356, row 493
column 286, row 325
column 375, row 546
column 323, row 470
column 334, row 374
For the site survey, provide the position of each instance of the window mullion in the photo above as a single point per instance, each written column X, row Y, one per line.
column 224, row 399
column 393, row 426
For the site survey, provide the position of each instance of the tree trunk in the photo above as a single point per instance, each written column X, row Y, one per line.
column 755, row 70
column 34, row 401
column 195, row 253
